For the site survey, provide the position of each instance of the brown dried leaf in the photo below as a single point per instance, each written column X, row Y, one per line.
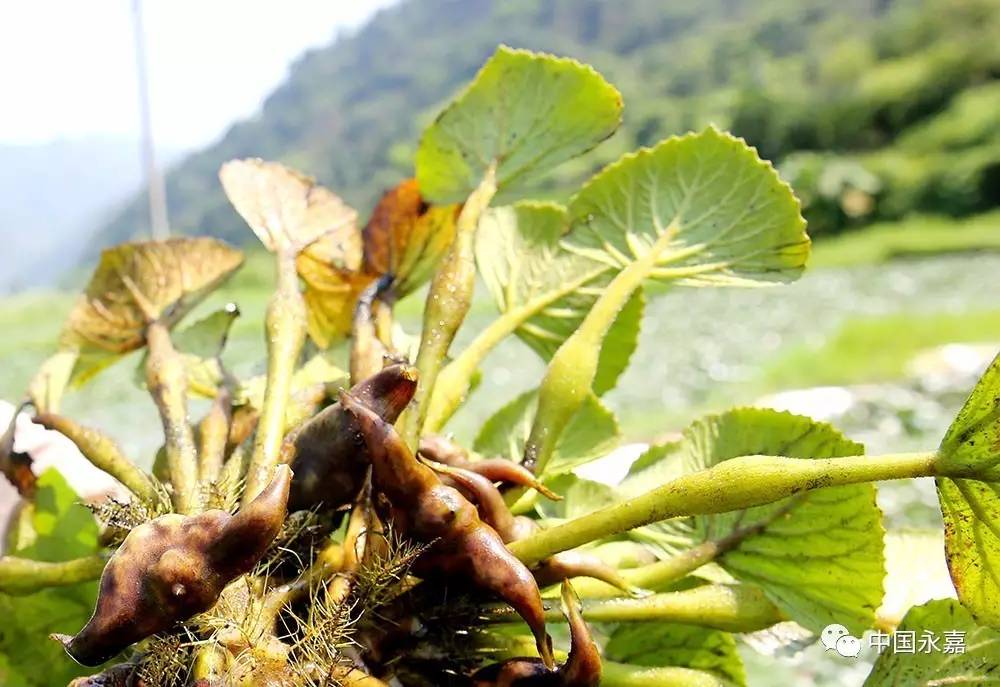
column 407, row 237
column 288, row 211
column 137, row 283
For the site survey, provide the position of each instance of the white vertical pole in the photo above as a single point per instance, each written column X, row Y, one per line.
column 154, row 179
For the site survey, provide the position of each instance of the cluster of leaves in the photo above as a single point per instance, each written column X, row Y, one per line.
column 753, row 520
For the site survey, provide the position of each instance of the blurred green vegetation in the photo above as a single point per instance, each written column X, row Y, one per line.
column 914, row 237
column 872, row 350
column 873, row 109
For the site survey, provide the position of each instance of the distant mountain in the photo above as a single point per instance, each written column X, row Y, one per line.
column 830, row 77
column 53, row 199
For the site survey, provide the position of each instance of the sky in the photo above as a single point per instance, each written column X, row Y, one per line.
column 67, row 67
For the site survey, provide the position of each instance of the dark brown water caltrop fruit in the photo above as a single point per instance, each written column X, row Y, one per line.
column 328, row 454
column 581, row 669
column 443, row 450
column 121, row 675
column 462, row 547
column 174, row 567
column 495, row 512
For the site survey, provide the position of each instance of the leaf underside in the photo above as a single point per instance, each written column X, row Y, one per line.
column 520, row 258
column 287, row 210
column 818, row 555
column 728, row 218
column 684, row 646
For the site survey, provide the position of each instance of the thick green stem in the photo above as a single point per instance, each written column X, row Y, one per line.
column 231, row 475
column 654, row 576
column 285, row 325
column 455, row 379
column 738, row 483
column 104, row 454
column 24, row 576
column 657, row 576
column 167, row 382
column 213, row 434
column 626, row 675
column 448, row 302
column 571, row 371
column 367, row 349
column 733, row 608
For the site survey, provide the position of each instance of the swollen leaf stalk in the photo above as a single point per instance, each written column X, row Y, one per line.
column 166, row 379
column 455, row 379
column 285, row 325
column 448, row 302
column 571, row 371
column 734, row 484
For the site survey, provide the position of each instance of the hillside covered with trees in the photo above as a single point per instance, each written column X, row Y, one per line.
column 874, row 109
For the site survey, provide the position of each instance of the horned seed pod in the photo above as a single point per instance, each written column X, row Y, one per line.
column 327, row 452
column 174, row 567
column 443, row 450
column 460, row 546
column 582, row 668
column 495, row 512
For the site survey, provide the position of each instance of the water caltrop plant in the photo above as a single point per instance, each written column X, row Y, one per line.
column 316, row 526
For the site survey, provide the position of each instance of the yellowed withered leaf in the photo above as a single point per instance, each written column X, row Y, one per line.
column 404, row 237
column 137, row 283
column 331, row 289
column 287, row 210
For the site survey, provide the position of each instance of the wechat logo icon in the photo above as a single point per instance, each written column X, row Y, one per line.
column 837, row 638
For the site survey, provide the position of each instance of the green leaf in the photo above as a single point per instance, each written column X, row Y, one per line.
column 703, row 206
column 658, row 464
column 817, row 555
column 970, row 507
column 592, row 433
column 579, row 497
column 551, row 290
column 32, row 660
column 971, row 511
column 978, row 665
column 207, row 337
column 200, row 346
column 683, row 646
column 64, row 530
column 524, row 112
